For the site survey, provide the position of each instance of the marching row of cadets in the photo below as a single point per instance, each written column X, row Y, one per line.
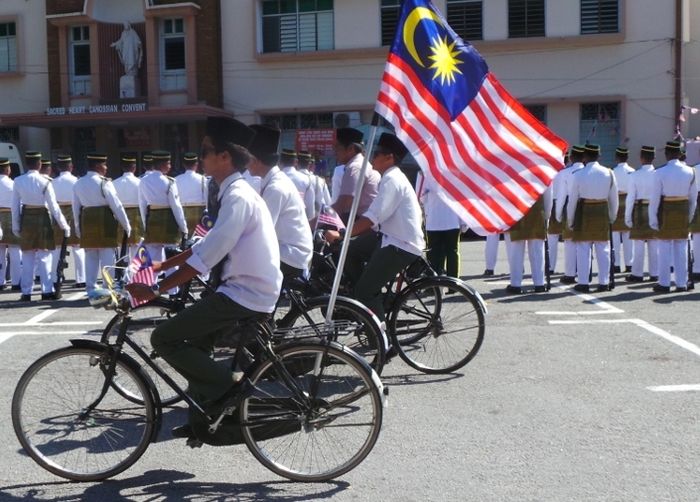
column 96, row 216
column 652, row 211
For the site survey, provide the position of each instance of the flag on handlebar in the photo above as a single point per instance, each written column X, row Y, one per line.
column 141, row 271
column 205, row 224
column 328, row 216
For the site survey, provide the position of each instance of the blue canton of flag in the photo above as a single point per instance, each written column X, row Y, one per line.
column 205, row 224
column 141, row 271
column 491, row 158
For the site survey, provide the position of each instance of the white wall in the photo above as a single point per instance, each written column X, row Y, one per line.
column 28, row 91
column 691, row 70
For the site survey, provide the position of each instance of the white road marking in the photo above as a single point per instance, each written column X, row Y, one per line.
column 40, row 317
column 48, row 324
column 592, row 321
column 4, row 337
column 675, row 388
column 605, row 308
column 76, row 296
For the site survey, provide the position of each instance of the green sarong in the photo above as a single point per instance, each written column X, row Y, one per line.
column 591, row 221
column 619, row 223
column 161, row 227
column 641, row 231
column 98, row 228
column 695, row 222
column 36, row 231
column 8, row 238
column 531, row 226
column 73, row 240
column 555, row 227
column 673, row 220
column 193, row 215
column 134, row 216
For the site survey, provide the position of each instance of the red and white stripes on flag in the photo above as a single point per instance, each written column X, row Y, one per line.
column 493, row 161
column 141, row 271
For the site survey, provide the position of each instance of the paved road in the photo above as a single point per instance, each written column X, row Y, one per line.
column 572, row 397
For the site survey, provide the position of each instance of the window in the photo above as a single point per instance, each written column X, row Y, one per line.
column 538, row 111
column 9, row 135
column 525, row 18
column 390, row 10
column 172, row 55
column 464, row 16
column 8, row 47
column 79, row 60
column 297, row 25
column 599, row 16
column 600, row 124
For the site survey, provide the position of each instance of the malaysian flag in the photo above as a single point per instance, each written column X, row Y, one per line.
column 329, row 218
column 489, row 155
column 141, row 271
column 204, row 225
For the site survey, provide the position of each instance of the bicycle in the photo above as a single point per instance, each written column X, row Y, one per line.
column 436, row 324
column 71, row 420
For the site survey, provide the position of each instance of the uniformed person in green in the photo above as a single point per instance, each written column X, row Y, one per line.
column 33, row 207
column 9, row 244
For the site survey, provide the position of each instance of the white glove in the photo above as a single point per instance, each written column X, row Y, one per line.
column 463, row 228
column 628, row 223
column 66, row 232
column 15, row 231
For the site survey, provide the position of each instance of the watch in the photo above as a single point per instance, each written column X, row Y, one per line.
column 156, row 290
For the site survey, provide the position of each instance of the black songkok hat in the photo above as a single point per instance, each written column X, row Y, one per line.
column 347, row 135
column 96, row 157
column 32, row 155
column 45, row 162
column 674, row 145
column 393, row 145
column 128, row 159
column 190, row 157
column 288, row 153
column 648, row 149
column 223, row 130
column 160, row 155
column 589, row 148
column 64, row 157
column 4, row 162
column 265, row 143
column 577, row 149
column 304, row 156
column 621, row 150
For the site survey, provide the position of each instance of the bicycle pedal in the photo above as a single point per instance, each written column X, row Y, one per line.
column 194, row 443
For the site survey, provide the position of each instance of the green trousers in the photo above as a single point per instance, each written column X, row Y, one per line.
column 186, row 341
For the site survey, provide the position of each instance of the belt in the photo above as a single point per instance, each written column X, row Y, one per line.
column 674, row 199
column 621, row 193
column 153, row 206
column 644, row 202
column 5, row 209
column 193, row 205
column 65, row 204
column 130, row 206
column 27, row 206
column 595, row 201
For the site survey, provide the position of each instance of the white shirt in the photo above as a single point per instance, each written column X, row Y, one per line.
column 6, row 189
column 592, row 182
column 675, row 179
column 622, row 172
column 302, row 182
column 253, row 181
column 639, row 187
column 245, row 235
column 156, row 189
column 93, row 190
column 34, row 189
column 336, row 180
column 564, row 187
column 438, row 215
column 397, row 212
column 192, row 188
column 288, row 216
column 320, row 191
column 127, row 187
column 63, row 187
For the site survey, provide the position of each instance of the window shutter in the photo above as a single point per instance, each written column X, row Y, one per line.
column 599, row 16
column 465, row 17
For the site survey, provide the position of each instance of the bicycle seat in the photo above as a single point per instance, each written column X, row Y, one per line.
column 295, row 283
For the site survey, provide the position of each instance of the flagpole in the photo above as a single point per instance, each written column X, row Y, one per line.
column 351, row 220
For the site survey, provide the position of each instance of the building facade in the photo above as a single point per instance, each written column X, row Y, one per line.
column 126, row 77
column 597, row 70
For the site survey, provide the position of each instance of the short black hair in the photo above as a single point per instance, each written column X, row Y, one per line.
column 92, row 163
column 240, row 156
column 647, row 157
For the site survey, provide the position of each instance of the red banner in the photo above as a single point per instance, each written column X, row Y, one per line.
column 319, row 142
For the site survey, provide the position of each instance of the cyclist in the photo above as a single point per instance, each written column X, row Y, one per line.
column 243, row 237
column 397, row 213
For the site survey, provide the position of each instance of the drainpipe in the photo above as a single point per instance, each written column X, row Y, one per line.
column 677, row 72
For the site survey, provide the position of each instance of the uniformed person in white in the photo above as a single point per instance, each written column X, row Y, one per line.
column 283, row 201
column 127, row 188
column 639, row 188
column 623, row 253
column 491, row 253
column 591, row 209
column 671, row 207
column 192, row 188
column 147, row 164
column 98, row 214
column 442, row 227
column 63, row 187
column 322, row 196
column 336, row 180
column 695, row 232
column 561, row 203
column 161, row 210
column 531, row 230
column 33, row 207
column 554, row 227
column 288, row 165
column 9, row 244
column 243, row 238
column 349, row 151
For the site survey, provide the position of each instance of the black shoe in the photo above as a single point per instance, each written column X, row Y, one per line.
column 25, row 298
column 540, row 289
column 567, row 279
column 49, row 296
column 516, row 290
column 662, row 289
column 17, row 288
column 681, row 289
column 488, row 272
column 653, row 278
column 2, row 286
column 616, row 269
column 37, row 279
column 79, row 285
column 602, row 287
column 634, row 278
column 695, row 277
column 582, row 288
column 628, row 269
column 183, row 431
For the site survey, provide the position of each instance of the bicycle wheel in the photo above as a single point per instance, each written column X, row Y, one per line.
column 46, row 414
column 313, row 416
column 141, row 325
column 353, row 325
column 437, row 325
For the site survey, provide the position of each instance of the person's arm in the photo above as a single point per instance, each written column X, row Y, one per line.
column 184, row 273
column 116, row 206
column 50, row 199
column 16, row 210
column 630, row 200
column 654, row 201
column 176, row 206
column 692, row 196
column 573, row 202
column 613, row 200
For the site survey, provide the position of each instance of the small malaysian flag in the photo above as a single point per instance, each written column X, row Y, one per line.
column 204, row 225
column 141, row 271
column 328, row 217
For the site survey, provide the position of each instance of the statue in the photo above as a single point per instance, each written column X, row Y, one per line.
column 129, row 49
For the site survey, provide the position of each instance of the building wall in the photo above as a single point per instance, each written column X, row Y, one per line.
column 691, row 68
column 27, row 89
column 561, row 70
